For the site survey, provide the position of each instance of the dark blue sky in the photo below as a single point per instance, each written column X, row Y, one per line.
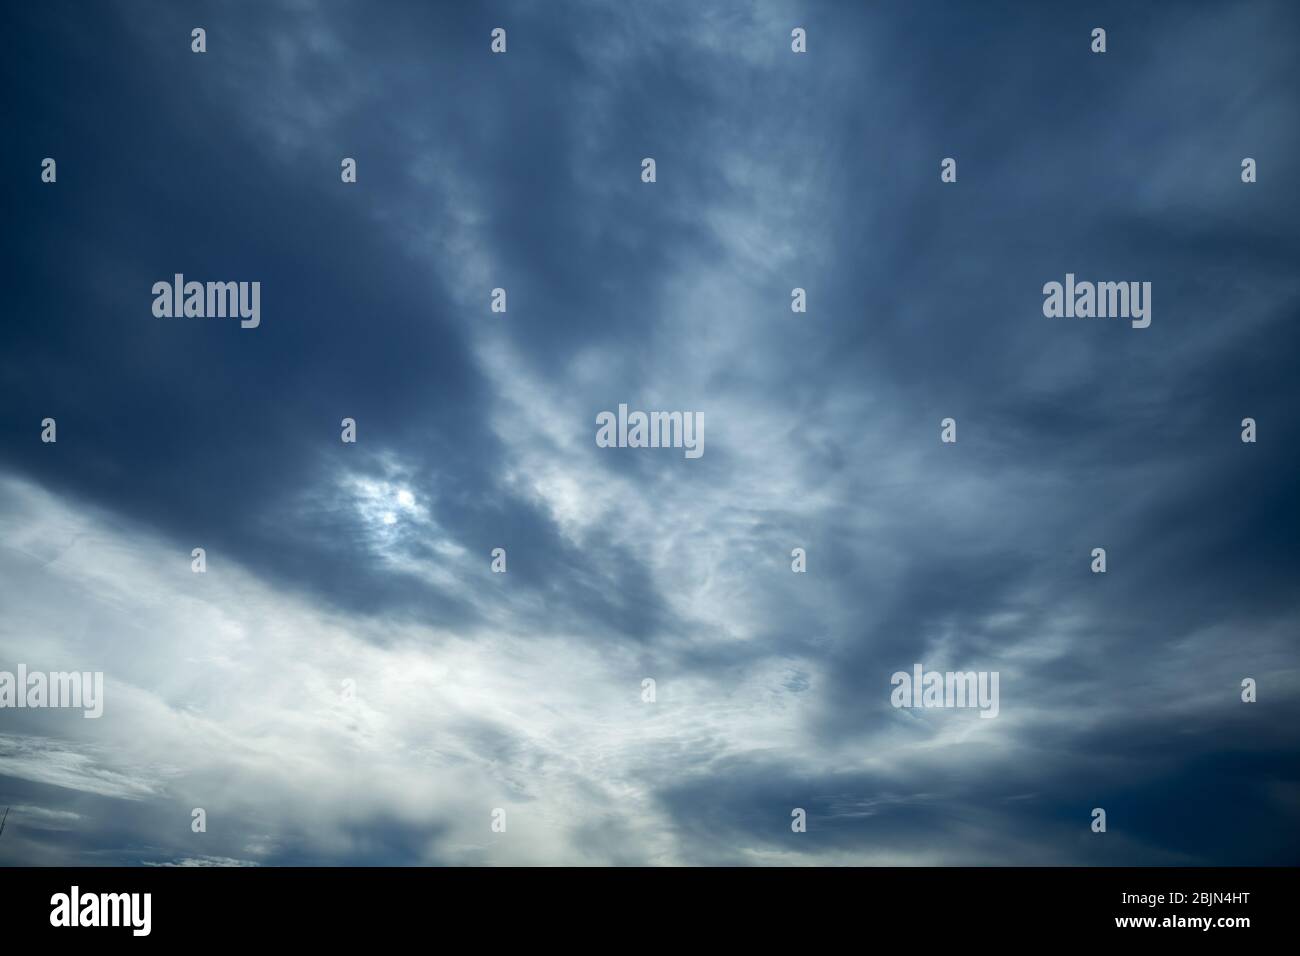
column 370, row 562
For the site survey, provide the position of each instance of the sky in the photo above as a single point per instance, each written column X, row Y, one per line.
column 350, row 683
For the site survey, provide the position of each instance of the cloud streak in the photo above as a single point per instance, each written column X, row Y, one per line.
column 369, row 563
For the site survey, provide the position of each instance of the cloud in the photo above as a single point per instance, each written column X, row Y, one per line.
column 332, row 562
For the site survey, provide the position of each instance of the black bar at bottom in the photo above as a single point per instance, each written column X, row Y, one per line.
column 330, row 906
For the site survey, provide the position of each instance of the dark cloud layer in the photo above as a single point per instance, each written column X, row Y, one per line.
column 774, row 171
